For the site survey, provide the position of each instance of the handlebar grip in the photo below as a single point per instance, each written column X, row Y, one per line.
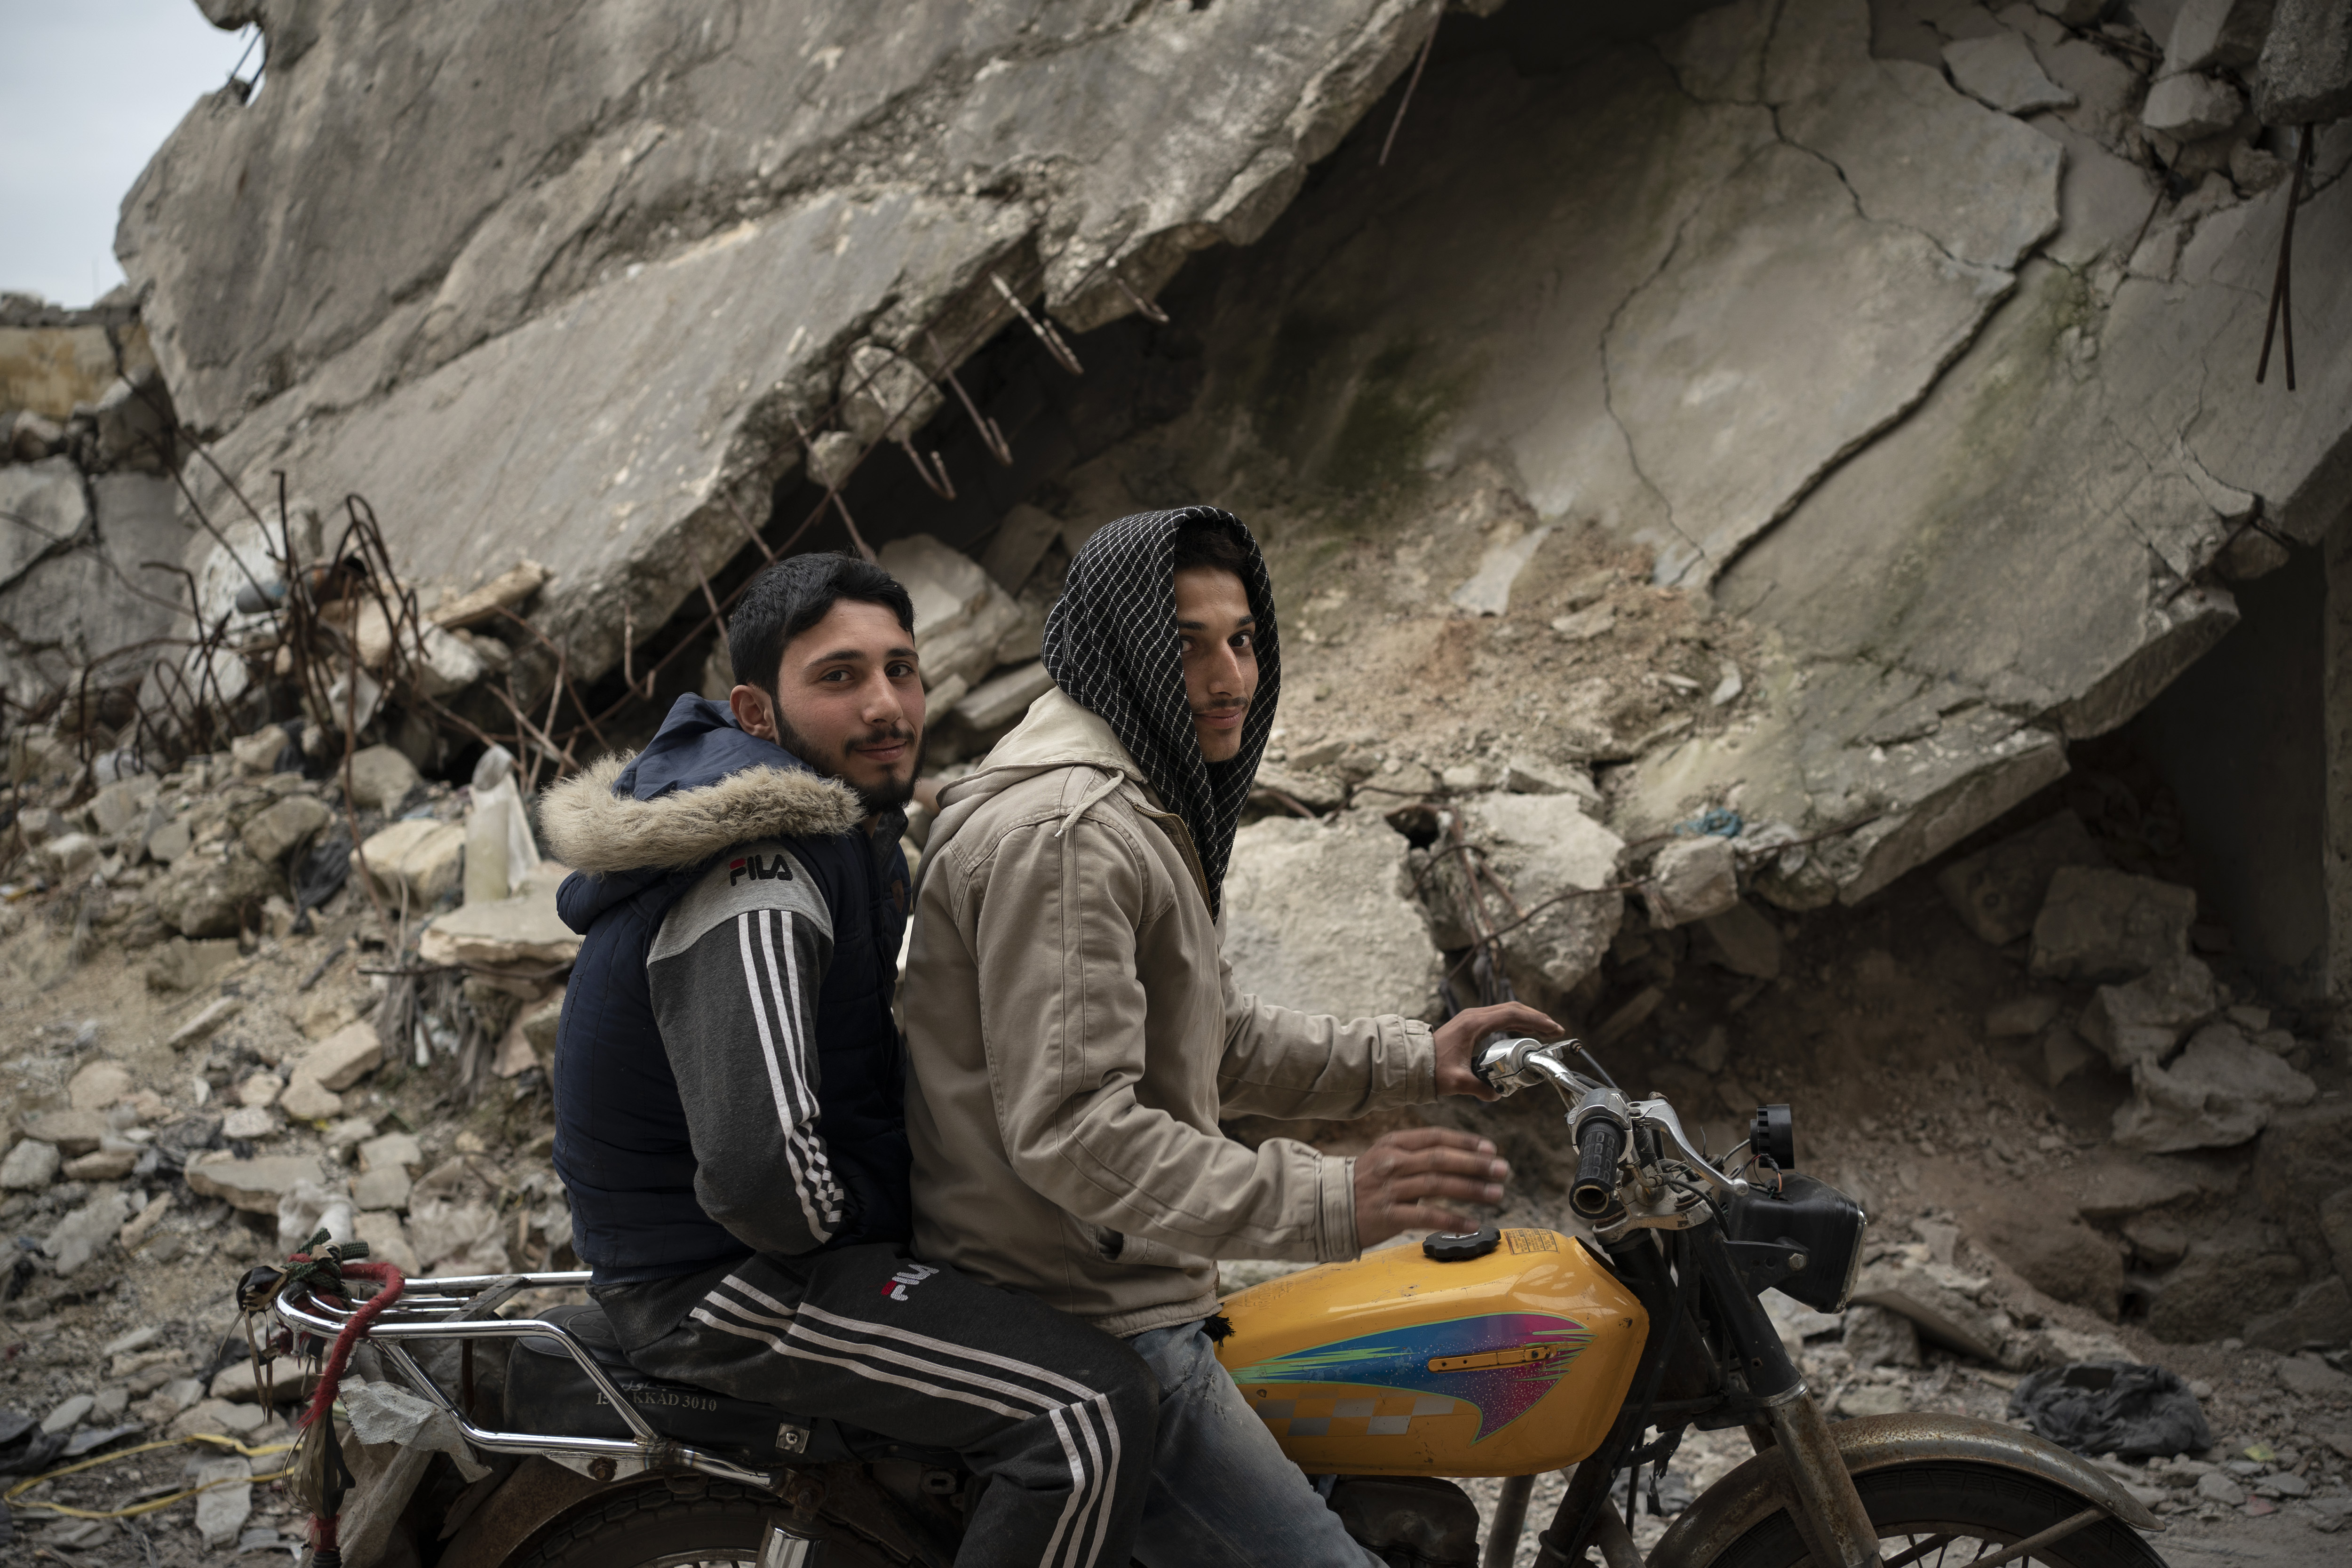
column 1597, row 1146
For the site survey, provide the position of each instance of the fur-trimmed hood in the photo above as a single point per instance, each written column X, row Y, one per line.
column 700, row 786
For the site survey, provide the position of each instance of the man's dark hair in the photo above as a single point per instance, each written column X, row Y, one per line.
column 795, row 593
column 1207, row 544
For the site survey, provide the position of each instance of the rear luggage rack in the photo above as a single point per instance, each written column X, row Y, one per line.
column 458, row 1306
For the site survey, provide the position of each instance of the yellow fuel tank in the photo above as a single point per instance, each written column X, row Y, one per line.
column 1396, row 1365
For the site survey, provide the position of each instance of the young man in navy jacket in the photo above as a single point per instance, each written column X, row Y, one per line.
column 730, row 1094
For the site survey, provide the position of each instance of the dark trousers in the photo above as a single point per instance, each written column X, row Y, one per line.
column 1060, row 1418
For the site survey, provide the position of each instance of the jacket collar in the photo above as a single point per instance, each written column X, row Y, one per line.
column 592, row 829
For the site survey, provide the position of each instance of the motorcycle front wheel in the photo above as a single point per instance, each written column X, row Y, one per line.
column 1946, row 1515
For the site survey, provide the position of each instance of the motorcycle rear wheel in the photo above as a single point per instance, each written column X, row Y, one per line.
column 651, row 1527
column 1980, row 1506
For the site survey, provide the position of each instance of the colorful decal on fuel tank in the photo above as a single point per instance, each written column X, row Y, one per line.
column 1501, row 1363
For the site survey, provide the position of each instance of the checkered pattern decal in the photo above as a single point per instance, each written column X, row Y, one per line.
column 1111, row 644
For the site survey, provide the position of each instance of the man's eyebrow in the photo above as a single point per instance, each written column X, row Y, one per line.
column 1183, row 625
column 856, row 656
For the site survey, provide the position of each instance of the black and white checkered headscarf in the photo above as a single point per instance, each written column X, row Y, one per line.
column 1111, row 644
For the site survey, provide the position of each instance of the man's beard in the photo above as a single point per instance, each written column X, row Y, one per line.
column 889, row 795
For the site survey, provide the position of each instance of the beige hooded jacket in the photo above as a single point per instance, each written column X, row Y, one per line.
column 1073, row 1036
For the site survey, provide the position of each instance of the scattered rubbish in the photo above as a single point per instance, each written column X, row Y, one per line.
column 2128, row 1409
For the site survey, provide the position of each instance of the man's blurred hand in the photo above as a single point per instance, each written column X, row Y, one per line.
column 1405, row 1179
column 1460, row 1035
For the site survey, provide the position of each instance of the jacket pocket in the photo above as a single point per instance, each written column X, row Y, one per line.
column 1116, row 1247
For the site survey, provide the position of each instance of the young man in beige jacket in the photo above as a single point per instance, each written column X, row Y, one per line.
column 1074, row 1035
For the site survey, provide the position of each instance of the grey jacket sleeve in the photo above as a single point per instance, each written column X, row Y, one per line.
column 734, row 973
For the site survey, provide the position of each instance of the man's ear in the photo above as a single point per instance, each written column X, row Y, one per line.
column 753, row 714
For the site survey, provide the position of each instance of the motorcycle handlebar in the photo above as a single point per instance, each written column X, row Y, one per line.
column 1599, row 1143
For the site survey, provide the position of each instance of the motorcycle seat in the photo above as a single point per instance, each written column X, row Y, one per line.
column 548, row 1392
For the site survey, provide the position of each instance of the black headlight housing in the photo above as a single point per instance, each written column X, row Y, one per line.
column 1805, row 1239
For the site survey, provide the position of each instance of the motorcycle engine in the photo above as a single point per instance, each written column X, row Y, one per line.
column 1409, row 1521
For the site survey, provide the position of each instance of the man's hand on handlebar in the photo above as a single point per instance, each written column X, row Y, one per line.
column 1458, row 1037
column 1405, row 1179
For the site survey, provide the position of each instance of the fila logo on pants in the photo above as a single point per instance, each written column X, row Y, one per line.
column 1078, row 1417
column 913, row 1274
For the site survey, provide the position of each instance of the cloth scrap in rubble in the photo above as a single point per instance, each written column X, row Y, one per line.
column 2120, row 1407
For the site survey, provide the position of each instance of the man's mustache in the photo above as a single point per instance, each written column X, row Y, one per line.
column 882, row 738
column 1216, row 707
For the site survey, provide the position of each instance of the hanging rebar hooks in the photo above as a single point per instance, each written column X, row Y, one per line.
column 1041, row 325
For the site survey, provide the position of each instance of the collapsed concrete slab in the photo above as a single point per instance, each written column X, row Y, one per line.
column 582, row 318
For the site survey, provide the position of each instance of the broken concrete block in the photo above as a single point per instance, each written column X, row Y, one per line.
column 522, row 930
column 1292, row 946
column 1540, row 775
column 2064, row 1054
column 215, row 893
column 97, row 1085
column 2191, row 106
column 73, row 1131
column 393, row 1150
column 2299, row 1168
column 1945, row 1305
column 69, row 1414
column 2073, row 12
column 1743, row 940
column 308, row 1100
column 78, row 1237
column 2309, row 1377
column 110, row 1162
column 122, row 804
column 381, row 778
column 1022, row 540
column 1998, row 891
column 1875, row 1336
column 69, row 856
column 387, row 1240
column 2143, row 1019
column 413, row 863
column 2320, row 1313
column 458, row 1238
column 1316, row 791
column 2062, row 1258
column 960, row 611
column 213, row 1013
column 169, row 840
column 31, row 1165
column 2001, row 72
column 2218, row 1094
column 1690, row 879
column 2304, row 76
column 253, row 1186
column 2109, row 925
column 1488, row 590
column 1555, row 859
column 272, row 835
column 511, row 590
column 254, row 755
column 343, row 1058
column 997, row 702
column 386, row 1187
column 2209, row 35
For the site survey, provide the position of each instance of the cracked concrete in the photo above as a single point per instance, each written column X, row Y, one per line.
column 616, row 254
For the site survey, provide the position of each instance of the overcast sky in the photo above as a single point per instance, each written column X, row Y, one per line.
column 88, row 89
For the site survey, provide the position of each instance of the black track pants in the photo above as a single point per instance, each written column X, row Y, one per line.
column 1059, row 1416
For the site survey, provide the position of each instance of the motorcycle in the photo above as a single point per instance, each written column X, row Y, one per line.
column 1503, row 1354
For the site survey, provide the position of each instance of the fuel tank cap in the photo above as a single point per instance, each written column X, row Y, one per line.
column 1449, row 1247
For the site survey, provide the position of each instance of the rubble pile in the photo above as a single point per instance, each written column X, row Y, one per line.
column 1724, row 588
